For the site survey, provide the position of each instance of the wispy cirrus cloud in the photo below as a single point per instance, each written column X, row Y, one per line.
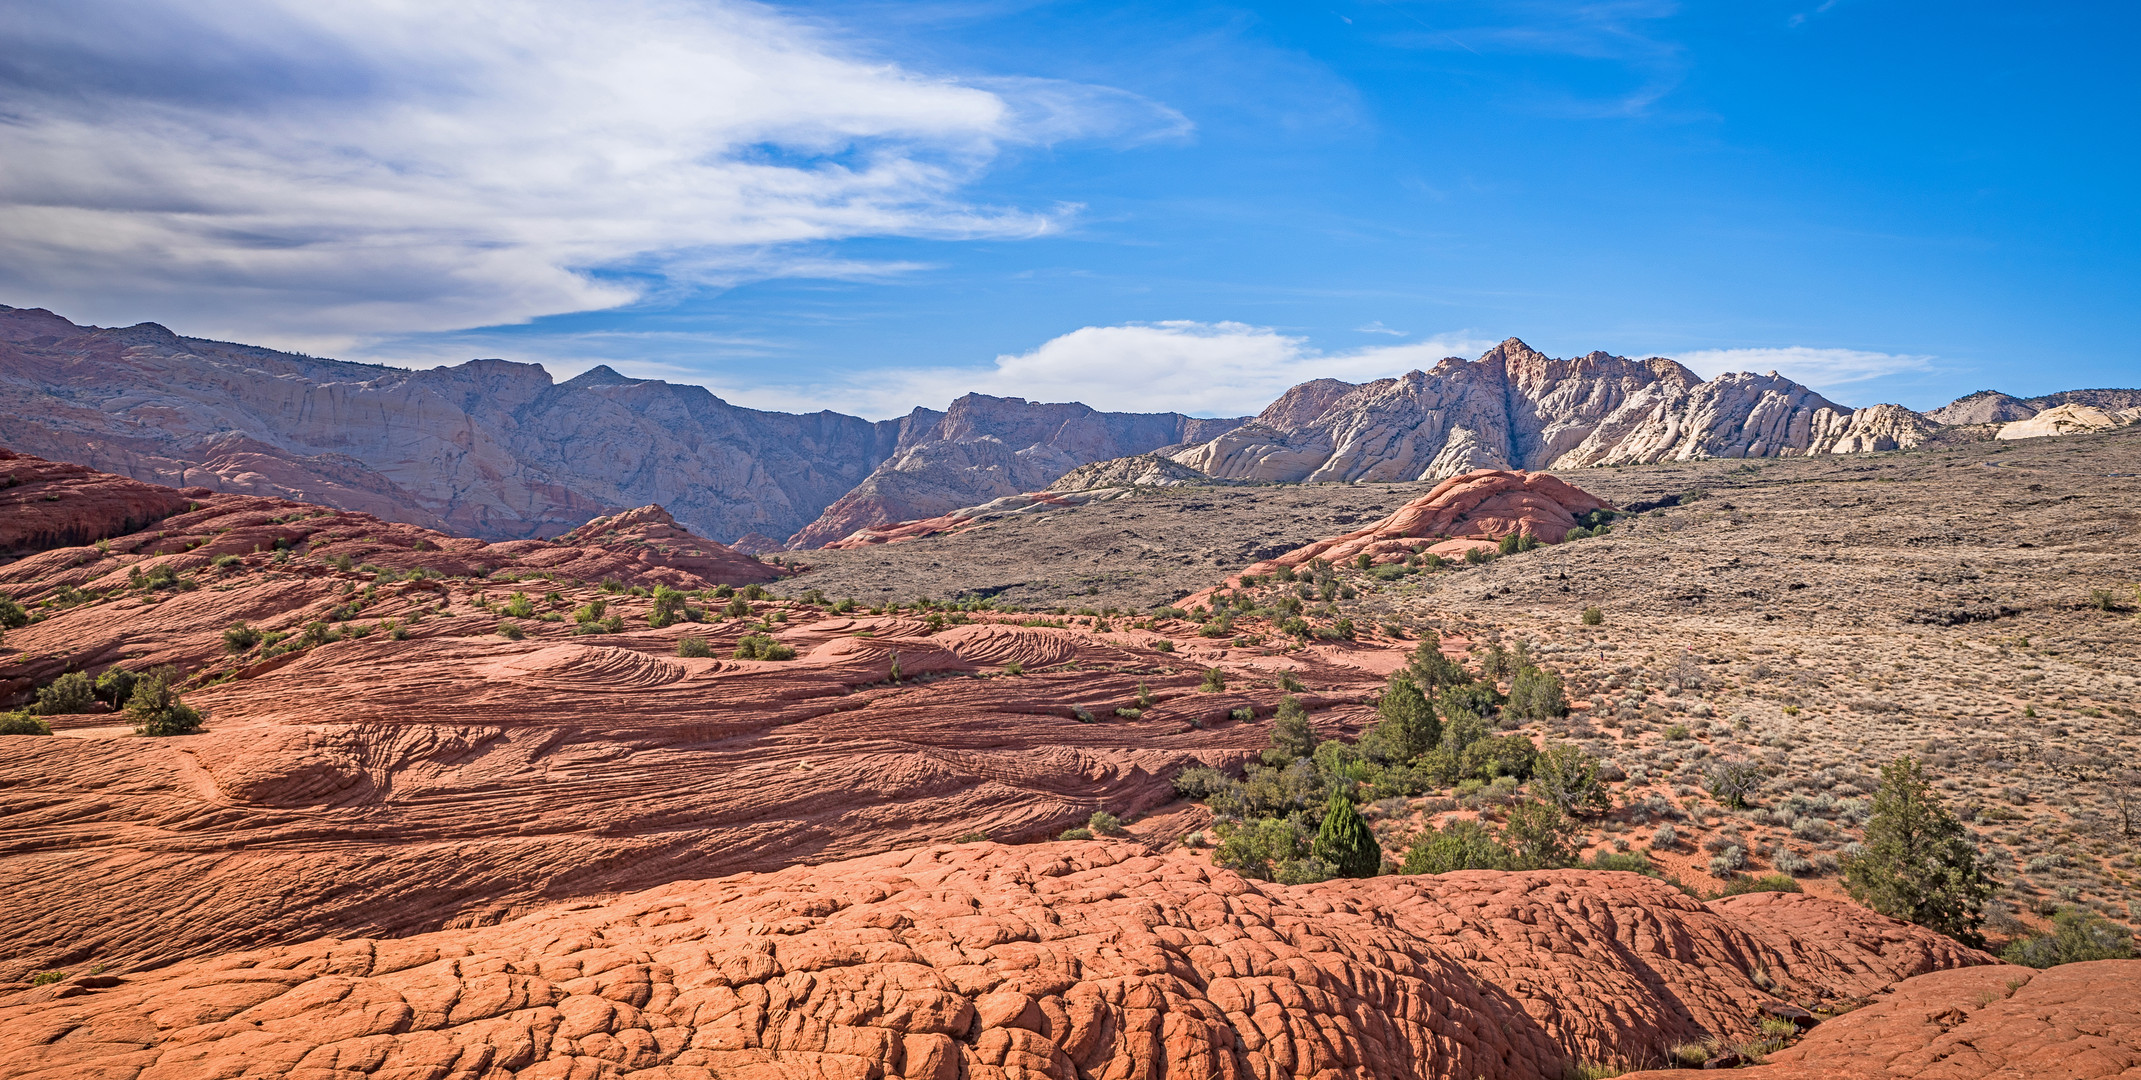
column 312, row 174
column 1821, row 369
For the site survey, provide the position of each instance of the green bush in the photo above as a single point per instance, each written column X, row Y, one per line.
column 1258, row 849
column 510, row 631
column 1408, row 726
column 12, row 615
column 1215, row 681
column 1103, row 823
column 225, row 562
column 1536, row 694
column 1201, row 782
column 1080, row 833
column 669, row 606
column 763, row 647
column 1430, row 670
column 1291, row 735
column 1463, row 844
column 1569, row 778
column 737, row 608
column 1539, row 836
column 519, row 606
column 155, row 708
column 1593, row 616
column 693, row 646
column 591, row 612
column 71, row 693
column 1918, row 863
column 115, row 686
column 1345, row 844
column 2078, row 934
column 1477, row 556
column 1516, row 542
column 1163, row 645
column 239, row 637
column 23, row 723
column 1494, row 756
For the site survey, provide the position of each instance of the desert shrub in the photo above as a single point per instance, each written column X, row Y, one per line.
column 2078, row 934
column 510, row 630
column 1678, row 733
column 115, row 686
column 1516, row 542
column 1492, row 756
column 1789, row 862
column 12, row 615
column 1665, row 837
column 155, row 708
column 1741, row 884
column 1593, row 616
column 1345, row 844
column 1632, row 862
column 669, row 606
column 1105, row 824
column 23, row 723
column 590, row 613
column 239, row 637
column 737, row 608
column 1566, row 776
column 1408, row 726
column 1539, row 836
column 1537, row 694
column 1731, row 782
column 1918, row 863
column 763, row 647
column 1079, row 833
column 1291, row 735
column 71, row 693
column 519, row 606
column 1215, row 681
column 1463, row 844
column 1477, row 556
column 1201, row 782
column 754, row 592
column 1256, row 849
column 225, row 562
column 693, row 646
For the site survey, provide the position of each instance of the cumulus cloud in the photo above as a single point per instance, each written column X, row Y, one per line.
column 1208, row 369
column 312, row 174
column 1821, row 369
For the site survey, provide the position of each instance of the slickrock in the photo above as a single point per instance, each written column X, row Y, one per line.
column 45, row 504
column 2073, row 1022
column 2069, row 419
column 981, row 961
column 1140, row 470
column 1514, row 408
column 984, row 448
column 1993, row 407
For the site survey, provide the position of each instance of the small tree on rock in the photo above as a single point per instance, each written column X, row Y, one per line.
column 1919, row 864
column 155, row 708
column 1346, row 844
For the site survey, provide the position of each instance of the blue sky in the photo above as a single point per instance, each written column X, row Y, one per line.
column 869, row 206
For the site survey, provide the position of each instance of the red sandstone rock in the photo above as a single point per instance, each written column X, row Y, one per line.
column 982, row 961
column 46, row 504
column 2074, row 1022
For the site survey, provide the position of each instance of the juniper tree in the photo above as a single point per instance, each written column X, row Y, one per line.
column 1919, row 864
column 1346, row 844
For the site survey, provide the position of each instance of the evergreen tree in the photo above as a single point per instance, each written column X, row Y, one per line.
column 1291, row 735
column 1346, row 844
column 1463, row 844
column 1431, row 671
column 1566, row 776
column 1409, row 727
column 155, row 708
column 1919, row 864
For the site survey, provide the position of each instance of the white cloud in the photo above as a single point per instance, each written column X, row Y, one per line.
column 1209, row 369
column 1821, row 369
column 312, row 174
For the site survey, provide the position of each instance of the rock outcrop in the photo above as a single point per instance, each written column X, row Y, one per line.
column 1487, row 504
column 985, row 448
column 1038, row 502
column 2068, row 419
column 1993, row 407
column 2073, row 1022
column 1515, row 408
column 47, row 504
column 1140, row 470
column 982, row 961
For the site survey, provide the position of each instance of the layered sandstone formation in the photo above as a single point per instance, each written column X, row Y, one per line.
column 985, row 448
column 1139, row 470
column 45, row 504
column 2068, row 419
column 387, row 761
column 980, row 961
column 1515, row 408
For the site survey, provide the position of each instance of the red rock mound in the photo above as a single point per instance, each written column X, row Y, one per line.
column 990, row 963
column 2074, row 1022
column 1485, row 504
column 45, row 504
